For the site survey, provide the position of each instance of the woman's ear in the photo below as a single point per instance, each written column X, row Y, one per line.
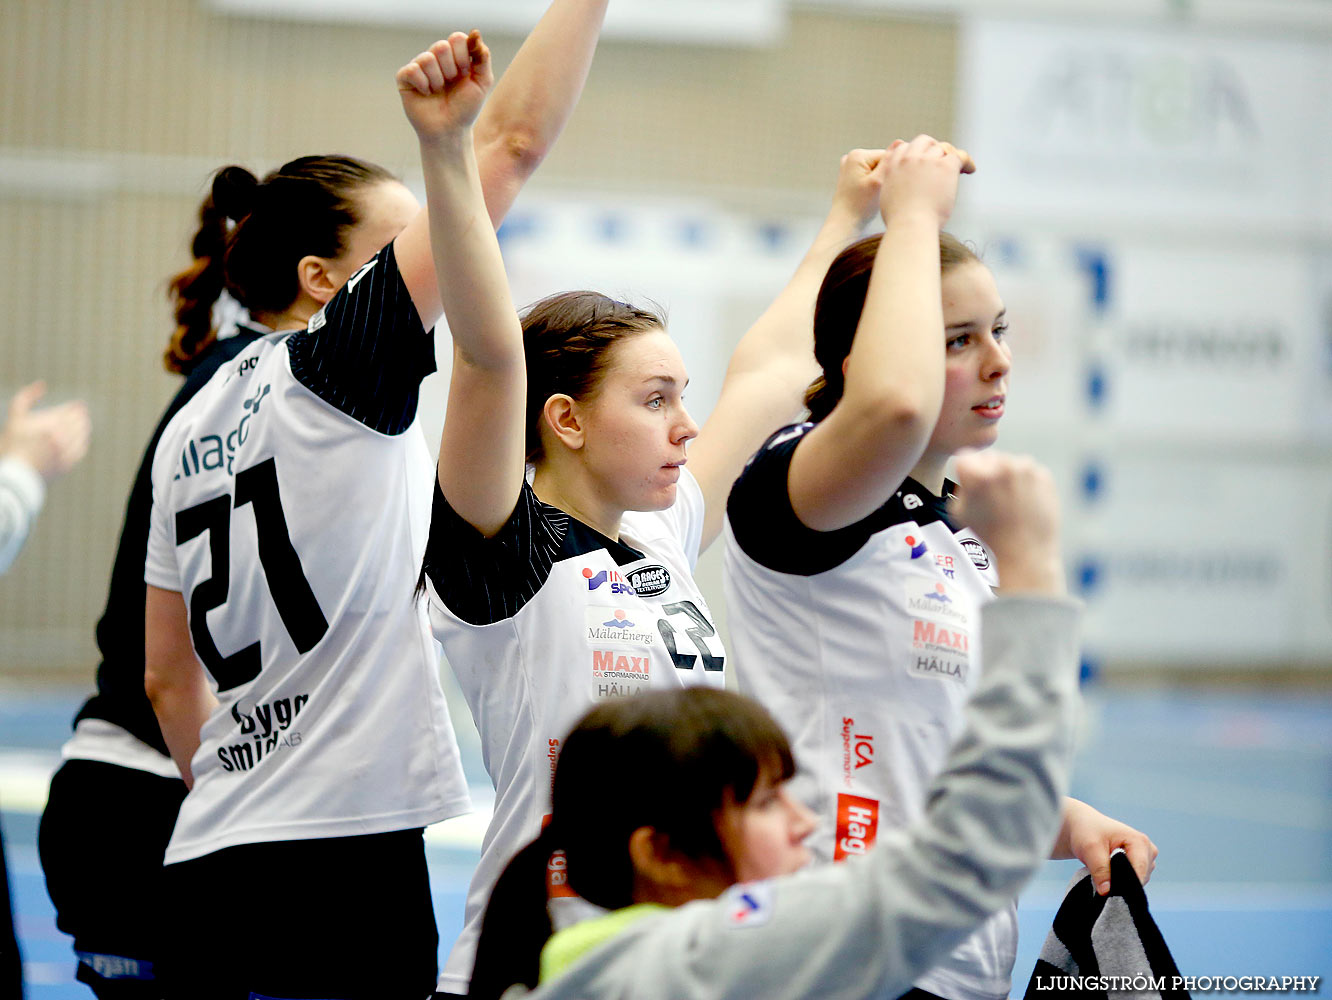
column 665, row 875
column 656, row 867
column 316, row 278
column 563, row 418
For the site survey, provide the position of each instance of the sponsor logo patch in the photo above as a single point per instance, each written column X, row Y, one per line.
column 917, row 546
column 557, row 871
column 749, row 904
column 650, row 581
column 939, row 666
column 612, row 664
column 857, row 825
column 597, row 578
column 934, row 599
column 936, row 638
column 611, row 626
column 857, row 749
column 980, row 558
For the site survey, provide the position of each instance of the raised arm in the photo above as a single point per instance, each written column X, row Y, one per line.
column 872, row 924
column 774, row 361
column 517, row 128
column 534, row 99
column 859, row 454
column 481, row 454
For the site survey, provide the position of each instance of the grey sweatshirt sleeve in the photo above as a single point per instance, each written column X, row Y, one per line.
column 869, row 926
column 21, row 494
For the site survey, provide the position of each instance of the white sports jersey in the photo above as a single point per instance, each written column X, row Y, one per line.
column 542, row 621
column 864, row 643
column 290, row 509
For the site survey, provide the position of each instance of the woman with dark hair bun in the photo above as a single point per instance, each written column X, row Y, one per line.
column 577, row 586
column 282, row 246
column 855, row 587
column 673, row 811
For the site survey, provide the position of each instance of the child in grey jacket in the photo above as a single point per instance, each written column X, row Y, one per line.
column 669, row 810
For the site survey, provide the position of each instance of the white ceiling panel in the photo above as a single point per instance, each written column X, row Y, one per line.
column 719, row 22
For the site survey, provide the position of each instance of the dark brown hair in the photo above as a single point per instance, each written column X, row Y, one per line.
column 566, row 342
column 666, row 759
column 839, row 305
column 307, row 206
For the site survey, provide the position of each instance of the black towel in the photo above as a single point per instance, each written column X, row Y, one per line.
column 1105, row 947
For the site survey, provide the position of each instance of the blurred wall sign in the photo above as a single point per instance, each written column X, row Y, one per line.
column 708, row 22
column 1158, row 123
column 1211, row 342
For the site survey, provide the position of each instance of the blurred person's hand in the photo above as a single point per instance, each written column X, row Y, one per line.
column 51, row 440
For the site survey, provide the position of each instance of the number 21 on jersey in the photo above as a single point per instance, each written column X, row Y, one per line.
column 296, row 603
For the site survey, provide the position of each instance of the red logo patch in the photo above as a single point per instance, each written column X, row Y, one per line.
column 857, row 825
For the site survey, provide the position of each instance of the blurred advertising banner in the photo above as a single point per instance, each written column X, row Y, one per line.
column 1165, row 124
column 1207, row 561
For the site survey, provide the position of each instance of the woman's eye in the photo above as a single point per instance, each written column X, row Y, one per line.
column 959, row 342
column 1001, row 331
column 656, row 402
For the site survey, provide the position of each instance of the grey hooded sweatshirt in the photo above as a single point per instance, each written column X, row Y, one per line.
column 868, row 926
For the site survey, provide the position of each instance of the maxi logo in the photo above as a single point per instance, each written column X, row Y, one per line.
column 607, row 664
column 938, row 638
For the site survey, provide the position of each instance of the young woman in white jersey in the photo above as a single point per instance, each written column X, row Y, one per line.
column 854, row 599
column 577, row 586
column 702, row 803
column 290, row 502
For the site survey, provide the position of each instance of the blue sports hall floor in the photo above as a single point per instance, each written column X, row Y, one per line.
column 1234, row 787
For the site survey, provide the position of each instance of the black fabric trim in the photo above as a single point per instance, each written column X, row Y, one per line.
column 120, row 698
column 488, row 580
column 371, row 353
column 583, row 538
column 1074, row 923
column 769, row 532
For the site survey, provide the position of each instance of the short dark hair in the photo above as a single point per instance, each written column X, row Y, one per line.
column 839, row 305
column 567, row 340
column 669, row 760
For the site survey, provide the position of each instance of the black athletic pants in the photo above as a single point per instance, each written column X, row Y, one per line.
column 338, row 918
column 101, row 841
column 11, row 962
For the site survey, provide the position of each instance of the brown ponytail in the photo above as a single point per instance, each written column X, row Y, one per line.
column 306, row 206
column 196, row 289
column 516, row 924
